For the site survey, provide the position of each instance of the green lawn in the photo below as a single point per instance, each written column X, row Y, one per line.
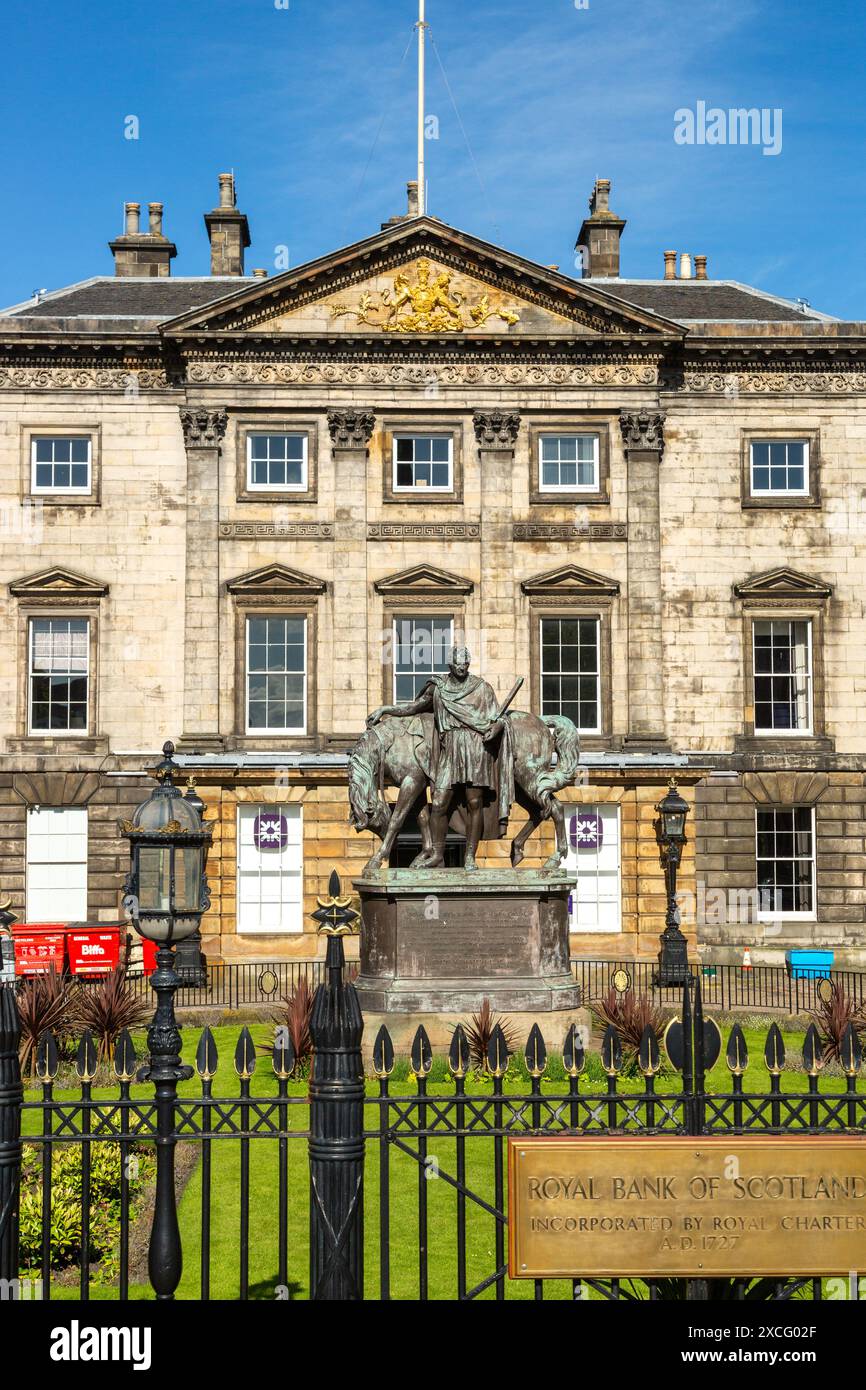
column 404, row 1177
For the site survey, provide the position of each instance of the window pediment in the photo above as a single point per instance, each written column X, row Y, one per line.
column 784, row 583
column 57, row 583
column 423, row 580
column 276, row 581
column 570, row 581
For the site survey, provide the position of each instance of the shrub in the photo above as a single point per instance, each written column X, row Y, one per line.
column 65, row 1231
column 630, row 1015
column 294, row 1019
column 106, row 1007
column 832, row 1016
column 479, row 1031
column 45, row 1005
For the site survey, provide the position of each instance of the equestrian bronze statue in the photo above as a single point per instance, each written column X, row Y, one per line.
column 477, row 757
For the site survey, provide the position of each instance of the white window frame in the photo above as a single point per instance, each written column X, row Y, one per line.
column 776, row 916
column 413, row 618
column 38, row 490
column 807, row 730
column 303, row 485
column 293, row 812
column 259, row 732
column 49, row 732
column 571, row 617
column 421, row 487
column 570, row 488
column 804, row 491
column 34, row 814
column 572, row 865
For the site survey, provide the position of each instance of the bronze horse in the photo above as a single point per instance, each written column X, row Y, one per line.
column 396, row 753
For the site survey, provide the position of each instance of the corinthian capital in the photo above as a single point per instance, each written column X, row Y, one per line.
column 643, row 429
column 203, row 428
column 351, row 429
column 495, row 430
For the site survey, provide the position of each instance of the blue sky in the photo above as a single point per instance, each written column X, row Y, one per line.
column 551, row 96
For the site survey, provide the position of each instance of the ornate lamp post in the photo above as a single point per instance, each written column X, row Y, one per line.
column 189, row 961
column 673, row 956
column 165, row 895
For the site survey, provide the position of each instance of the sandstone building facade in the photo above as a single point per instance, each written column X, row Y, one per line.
column 241, row 511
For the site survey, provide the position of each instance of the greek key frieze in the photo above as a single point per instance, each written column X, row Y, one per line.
column 424, row 531
column 265, row 530
column 570, row 530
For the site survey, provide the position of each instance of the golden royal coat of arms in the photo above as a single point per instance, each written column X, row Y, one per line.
column 428, row 306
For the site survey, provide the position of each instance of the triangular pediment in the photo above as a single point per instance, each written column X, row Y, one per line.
column 423, row 279
column 57, row 582
column 570, row 580
column 424, row 579
column 783, row 583
column 276, row 581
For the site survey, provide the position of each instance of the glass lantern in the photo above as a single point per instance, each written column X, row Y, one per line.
column 166, row 890
column 673, row 811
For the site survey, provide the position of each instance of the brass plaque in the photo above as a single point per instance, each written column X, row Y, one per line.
column 727, row 1206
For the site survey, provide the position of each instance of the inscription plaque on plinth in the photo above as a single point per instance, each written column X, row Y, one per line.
column 656, row 1207
column 442, row 940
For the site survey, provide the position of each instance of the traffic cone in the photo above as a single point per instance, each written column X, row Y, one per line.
column 747, row 959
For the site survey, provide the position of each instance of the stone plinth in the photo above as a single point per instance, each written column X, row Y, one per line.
column 440, row 941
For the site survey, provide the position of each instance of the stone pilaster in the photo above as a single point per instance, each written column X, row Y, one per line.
column 496, row 433
column 644, row 442
column 203, row 432
column 350, row 431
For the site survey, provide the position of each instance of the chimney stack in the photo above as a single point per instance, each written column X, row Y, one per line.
column 228, row 231
column 670, row 265
column 600, row 235
column 414, row 206
column 700, row 267
column 142, row 255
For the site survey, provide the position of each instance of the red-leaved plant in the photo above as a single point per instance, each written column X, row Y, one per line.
column 630, row 1015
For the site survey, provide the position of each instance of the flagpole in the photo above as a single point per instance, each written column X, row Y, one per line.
column 422, row 34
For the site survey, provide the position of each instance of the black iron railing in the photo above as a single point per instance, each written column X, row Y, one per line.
column 303, row 1161
column 726, row 987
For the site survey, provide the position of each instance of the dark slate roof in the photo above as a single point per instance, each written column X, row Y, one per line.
column 106, row 298
column 111, row 300
column 707, row 301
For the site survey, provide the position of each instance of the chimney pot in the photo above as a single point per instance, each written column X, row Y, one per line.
column 260, row 274
column 685, row 266
column 142, row 255
column 670, row 265
column 227, row 190
column 700, row 267
column 414, row 200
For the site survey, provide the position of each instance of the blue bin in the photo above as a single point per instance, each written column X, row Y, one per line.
column 809, row 965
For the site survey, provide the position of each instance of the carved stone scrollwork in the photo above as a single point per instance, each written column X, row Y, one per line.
column 496, row 430
column 351, row 429
column 202, row 428
column 643, row 429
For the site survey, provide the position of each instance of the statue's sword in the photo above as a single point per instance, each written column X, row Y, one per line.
column 510, row 698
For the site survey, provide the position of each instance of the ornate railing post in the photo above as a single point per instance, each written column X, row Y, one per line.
column 11, row 1099
column 336, row 1142
column 165, row 1258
